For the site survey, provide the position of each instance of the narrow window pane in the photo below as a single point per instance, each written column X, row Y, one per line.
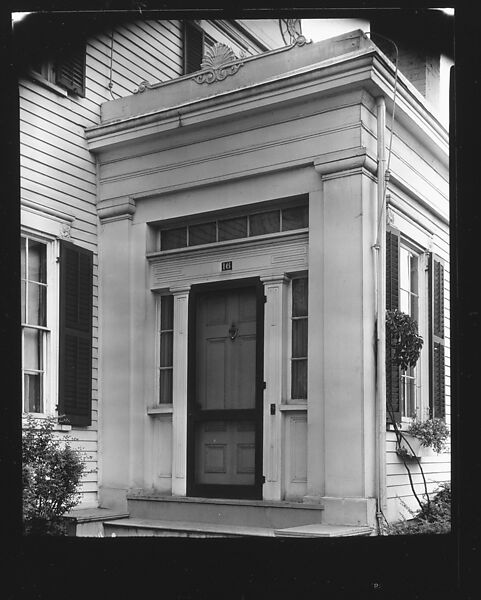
column 165, row 385
column 166, row 349
column 37, row 261
column 404, row 270
column 232, row 229
column 173, row 238
column 405, row 302
column 295, row 218
column 37, row 297
column 33, row 392
column 414, row 274
column 23, row 292
column 202, row 234
column 299, row 338
column 32, row 349
column 299, row 380
column 262, row 223
column 299, row 297
column 166, row 312
column 23, row 243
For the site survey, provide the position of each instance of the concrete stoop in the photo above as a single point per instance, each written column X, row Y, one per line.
column 168, row 516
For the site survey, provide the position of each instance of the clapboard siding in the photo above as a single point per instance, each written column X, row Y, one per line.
column 62, row 164
column 50, row 144
column 61, row 109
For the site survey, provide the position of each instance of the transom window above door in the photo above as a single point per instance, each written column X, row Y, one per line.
column 234, row 226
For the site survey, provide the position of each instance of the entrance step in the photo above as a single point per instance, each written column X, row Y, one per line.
column 319, row 530
column 149, row 527
column 90, row 522
column 226, row 512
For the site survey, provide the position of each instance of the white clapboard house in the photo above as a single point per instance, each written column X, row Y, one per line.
column 215, row 217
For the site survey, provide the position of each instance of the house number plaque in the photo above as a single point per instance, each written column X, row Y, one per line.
column 226, row 265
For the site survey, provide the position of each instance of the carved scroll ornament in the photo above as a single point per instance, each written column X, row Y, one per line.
column 218, row 64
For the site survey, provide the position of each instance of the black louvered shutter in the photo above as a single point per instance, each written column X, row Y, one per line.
column 437, row 361
column 393, row 408
column 75, row 352
column 70, row 71
column 193, row 47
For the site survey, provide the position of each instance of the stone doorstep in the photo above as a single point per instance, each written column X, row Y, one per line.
column 226, row 501
column 88, row 515
column 320, row 530
column 314, row 530
column 192, row 527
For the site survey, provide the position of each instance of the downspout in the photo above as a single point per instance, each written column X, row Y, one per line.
column 380, row 293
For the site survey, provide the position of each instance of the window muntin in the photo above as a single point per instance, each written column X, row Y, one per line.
column 409, row 304
column 166, row 336
column 299, row 324
column 34, row 323
column 238, row 227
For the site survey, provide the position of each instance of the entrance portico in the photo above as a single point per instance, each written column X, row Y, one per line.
column 316, row 447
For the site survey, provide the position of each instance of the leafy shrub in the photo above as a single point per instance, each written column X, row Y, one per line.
column 432, row 433
column 403, row 338
column 435, row 518
column 51, row 472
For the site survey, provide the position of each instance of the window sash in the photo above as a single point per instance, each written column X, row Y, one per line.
column 409, row 302
column 36, row 368
column 34, row 322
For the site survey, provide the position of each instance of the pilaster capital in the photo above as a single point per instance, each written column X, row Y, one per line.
column 335, row 163
column 116, row 209
column 274, row 279
column 181, row 290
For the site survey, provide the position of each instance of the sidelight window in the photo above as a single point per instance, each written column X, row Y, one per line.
column 166, row 333
column 299, row 319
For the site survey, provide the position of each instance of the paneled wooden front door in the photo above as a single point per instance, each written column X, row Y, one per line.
column 225, row 417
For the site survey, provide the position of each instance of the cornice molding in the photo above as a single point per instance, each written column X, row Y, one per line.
column 58, row 215
column 345, row 160
column 411, row 192
column 116, row 209
column 290, row 86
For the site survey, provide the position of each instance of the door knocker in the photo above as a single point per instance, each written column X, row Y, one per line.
column 233, row 331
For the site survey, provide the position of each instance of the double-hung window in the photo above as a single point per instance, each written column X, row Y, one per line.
column 409, row 304
column 36, row 327
column 414, row 286
column 56, row 316
column 67, row 70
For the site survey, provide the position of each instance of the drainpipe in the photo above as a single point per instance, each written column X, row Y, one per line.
column 380, row 287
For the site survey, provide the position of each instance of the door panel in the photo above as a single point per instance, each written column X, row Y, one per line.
column 225, row 453
column 224, row 414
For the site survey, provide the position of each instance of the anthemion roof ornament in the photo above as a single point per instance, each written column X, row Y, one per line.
column 292, row 28
column 218, row 64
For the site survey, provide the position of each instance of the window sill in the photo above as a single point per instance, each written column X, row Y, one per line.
column 48, row 84
column 39, row 416
column 289, row 407
column 164, row 409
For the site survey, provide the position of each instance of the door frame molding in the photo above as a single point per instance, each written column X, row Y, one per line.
column 226, row 491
